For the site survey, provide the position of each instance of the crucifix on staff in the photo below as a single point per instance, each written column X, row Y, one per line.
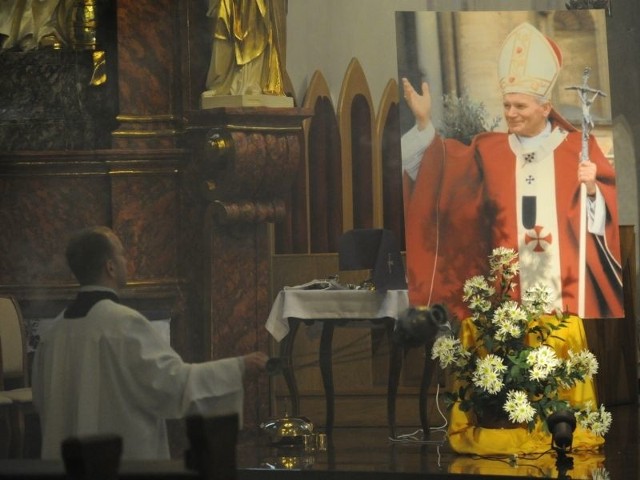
column 587, row 96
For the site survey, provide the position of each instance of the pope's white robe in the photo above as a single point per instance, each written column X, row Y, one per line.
column 112, row 372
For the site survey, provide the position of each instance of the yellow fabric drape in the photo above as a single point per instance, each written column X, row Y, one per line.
column 465, row 437
column 584, row 463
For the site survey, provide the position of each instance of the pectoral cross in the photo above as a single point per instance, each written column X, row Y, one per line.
column 390, row 263
column 587, row 97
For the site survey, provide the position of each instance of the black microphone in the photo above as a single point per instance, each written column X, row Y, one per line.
column 420, row 325
column 274, row 366
column 528, row 211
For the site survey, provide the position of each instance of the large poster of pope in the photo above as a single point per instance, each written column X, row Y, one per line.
column 506, row 142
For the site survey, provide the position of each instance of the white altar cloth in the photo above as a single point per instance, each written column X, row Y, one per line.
column 333, row 304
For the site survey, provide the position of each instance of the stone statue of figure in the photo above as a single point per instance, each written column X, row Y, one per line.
column 28, row 24
column 248, row 54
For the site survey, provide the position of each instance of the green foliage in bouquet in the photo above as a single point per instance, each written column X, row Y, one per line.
column 463, row 118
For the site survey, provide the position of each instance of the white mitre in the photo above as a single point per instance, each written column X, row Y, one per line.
column 528, row 62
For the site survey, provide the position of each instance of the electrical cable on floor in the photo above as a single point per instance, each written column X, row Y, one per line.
column 416, row 438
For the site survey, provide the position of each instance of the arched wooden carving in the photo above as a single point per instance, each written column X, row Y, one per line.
column 291, row 232
column 355, row 119
column 289, row 91
column 325, row 169
column 388, row 161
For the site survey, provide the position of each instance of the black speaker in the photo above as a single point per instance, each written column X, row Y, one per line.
column 419, row 326
column 561, row 425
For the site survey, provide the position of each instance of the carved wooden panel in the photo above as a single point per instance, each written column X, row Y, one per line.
column 325, row 170
column 390, row 163
column 355, row 119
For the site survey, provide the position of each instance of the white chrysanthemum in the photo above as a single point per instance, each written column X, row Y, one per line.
column 600, row 473
column 537, row 299
column 476, row 284
column 518, row 407
column 601, row 422
column 477, row 289
column 543, row 362
column 583, row 362
column 488, row 374
column 449, row 351
column 510, row 320
column 597, row 421
column 478, row 303
column 508, row 330
column 503, row 260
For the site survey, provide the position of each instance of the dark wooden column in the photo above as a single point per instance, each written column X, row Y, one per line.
column 149, row 73
column 244, row 161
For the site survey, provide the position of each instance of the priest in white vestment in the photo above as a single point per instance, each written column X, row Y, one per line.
column 103, row 368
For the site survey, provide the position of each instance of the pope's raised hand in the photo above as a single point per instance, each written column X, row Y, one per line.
column 419, row 104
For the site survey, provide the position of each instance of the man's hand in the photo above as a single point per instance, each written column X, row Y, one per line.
column 255, row 363
column 420, row 105
column 587, row 171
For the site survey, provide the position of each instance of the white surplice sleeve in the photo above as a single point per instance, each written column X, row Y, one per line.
column 164, row 384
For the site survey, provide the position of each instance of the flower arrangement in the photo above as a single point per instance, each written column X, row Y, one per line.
column 511, row 368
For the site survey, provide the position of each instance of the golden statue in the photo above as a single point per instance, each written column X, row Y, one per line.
column 248, row 53
column 28, row 24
